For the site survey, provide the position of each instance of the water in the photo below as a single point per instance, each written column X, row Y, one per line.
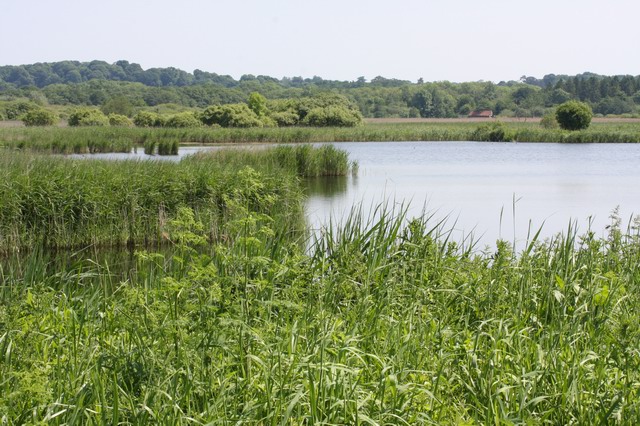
column 490, row 190
column 485, row 189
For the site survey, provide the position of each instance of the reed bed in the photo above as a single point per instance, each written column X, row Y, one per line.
column 89, row 140
column 61, row 202
column 383, row 321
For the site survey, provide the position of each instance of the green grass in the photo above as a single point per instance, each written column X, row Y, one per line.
column 379, row 323
column 89, row 140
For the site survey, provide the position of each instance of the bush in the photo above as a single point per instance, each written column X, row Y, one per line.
column 333, row 116
column 285, row 118
column 491, row 132
column 148, row 119
column 88, row 117
column 40, row 117
column 16, row 110
column 549, row 121
column 574, row 115
column 232, row 115
column 183, row 119
column 119, row 120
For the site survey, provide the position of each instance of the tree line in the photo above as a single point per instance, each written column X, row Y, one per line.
column 98, row 83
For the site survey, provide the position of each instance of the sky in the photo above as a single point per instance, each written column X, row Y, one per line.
column 454, row 40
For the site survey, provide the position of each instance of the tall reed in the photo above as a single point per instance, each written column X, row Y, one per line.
column 385, row 321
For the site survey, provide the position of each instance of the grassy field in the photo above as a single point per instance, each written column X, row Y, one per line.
column 93, row 140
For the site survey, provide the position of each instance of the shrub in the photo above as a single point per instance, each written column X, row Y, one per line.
column 15, row 110
column 285, row 118
column 119, row 120
column 491, row 132
column 148, row 119
column 574, row 115
column 334, row 116
column 549, row 121
column 40, row 117
column 232, row 115
column 88, row 117
column 183, row 119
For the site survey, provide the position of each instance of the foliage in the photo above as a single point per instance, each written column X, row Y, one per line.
column 87, row 117
column 549, row 122
column 118, row 120
column 118, row 105
column 40, row 117
column 148, row 119
column 183, row 119
column 573, row 115
column 17, row 109
column 233, row 115
column 379, row 322
column 491, row 132
column 120, row 86
column 258, row 104
column 332, row 116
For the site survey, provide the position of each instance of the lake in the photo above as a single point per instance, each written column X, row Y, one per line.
column 489, row 189
column 493, row 190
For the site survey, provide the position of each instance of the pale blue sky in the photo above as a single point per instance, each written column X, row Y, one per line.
column 459, row 40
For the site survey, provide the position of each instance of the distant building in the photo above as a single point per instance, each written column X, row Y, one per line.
column 481, row 113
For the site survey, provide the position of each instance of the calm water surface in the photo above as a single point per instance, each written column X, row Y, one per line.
column 490, row 190
column 473, row 184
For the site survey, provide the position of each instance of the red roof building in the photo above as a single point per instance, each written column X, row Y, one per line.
column 481, row 113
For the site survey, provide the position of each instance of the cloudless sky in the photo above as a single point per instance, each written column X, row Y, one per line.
column 455, row 40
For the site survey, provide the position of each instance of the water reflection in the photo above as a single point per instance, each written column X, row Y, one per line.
column 325, row 186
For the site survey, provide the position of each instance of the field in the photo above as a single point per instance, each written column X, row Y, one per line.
column 229, row 312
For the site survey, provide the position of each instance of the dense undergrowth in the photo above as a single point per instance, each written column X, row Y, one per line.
column 95, row 140
column 379, row 323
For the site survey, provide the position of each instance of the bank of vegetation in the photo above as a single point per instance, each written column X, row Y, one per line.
column 57, row 202
column 378, row 322
column 125, row 88
column 82, row 140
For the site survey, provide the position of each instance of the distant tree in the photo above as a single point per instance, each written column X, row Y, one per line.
column 258, row 104
column 17, row 109
column 183, row 119
column 118, row 105
column 614, row 106
column 334, row 116
column 88, row 117
column 148, row 119
column 39, row 117
column 558, row 96
column 549, row 121
column 118, row 120
column 574, row 115
column 232, row 115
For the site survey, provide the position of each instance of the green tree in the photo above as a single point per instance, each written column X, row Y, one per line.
column 232, row 115
column 39, row 117
column 183, row 119
column 574, row 115
column 119, row 120
column 118, row 105
column 258, row 104
column 148, row 119
column 88, row 117
column 334, row 116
